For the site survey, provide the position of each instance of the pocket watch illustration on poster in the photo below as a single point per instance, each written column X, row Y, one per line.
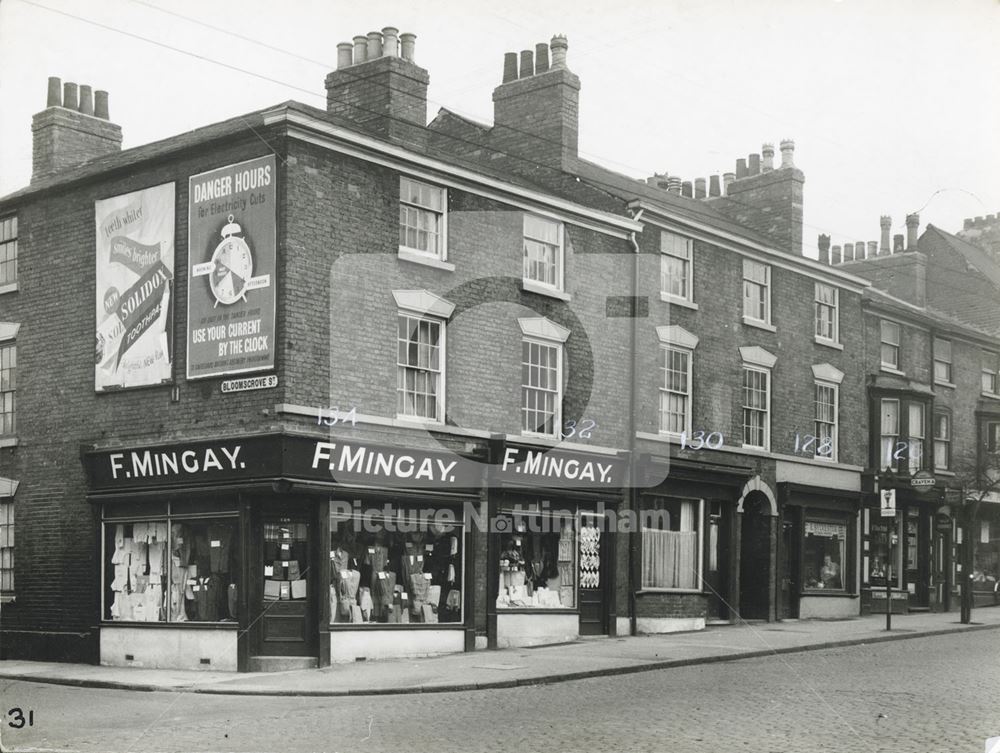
column 232, row 265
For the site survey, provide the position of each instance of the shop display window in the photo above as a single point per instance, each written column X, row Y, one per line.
column 538, row 561
column 171, row 570
column 825, row 555
column 986, row 564
column 396, row 566
column 879, row 552
column 670, row 545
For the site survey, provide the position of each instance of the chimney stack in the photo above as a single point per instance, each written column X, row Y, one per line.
column 713, row 186
column 767, row 151
column 699, row 188
column 835, row 255
column 536, row 114
column 897, row 243
column 912, row 223
column 378, row 88
column 787, row 152
column 824, row 248
column 72, row 129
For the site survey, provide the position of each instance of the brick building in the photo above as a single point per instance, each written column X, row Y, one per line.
column 364, row 386
column 931, row 345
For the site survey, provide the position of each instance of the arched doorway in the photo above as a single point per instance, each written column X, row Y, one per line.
column 755, row 556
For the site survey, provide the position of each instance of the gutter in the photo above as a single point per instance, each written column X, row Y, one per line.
column 633, row 464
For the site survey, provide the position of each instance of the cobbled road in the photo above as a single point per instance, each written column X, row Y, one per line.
column 927, row 695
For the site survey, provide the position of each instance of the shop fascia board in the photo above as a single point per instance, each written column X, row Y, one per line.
column 321, row 133
column 745, row 247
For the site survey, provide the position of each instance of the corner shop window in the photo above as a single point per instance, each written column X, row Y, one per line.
column 538, row 557
column 171, row 570
column 396, row 565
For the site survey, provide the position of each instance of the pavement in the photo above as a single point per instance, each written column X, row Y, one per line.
column 507, row 668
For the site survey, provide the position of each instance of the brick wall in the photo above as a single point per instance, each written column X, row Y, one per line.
column 659, row 605
column 771, row 204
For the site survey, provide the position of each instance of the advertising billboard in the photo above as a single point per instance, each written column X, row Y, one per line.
column 231, row 269
column 135, row 274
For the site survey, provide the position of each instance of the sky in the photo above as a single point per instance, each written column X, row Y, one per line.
column 892, row 103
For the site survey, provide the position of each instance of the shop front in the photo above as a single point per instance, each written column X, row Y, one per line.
column 281, row 551
column 986, row 555
column 552, row 547
column 818, row 552
column 684, row 567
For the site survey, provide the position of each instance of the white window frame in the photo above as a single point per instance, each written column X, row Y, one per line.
column 668, row 248
column 546, row 333
column 767, row 407
column 834, row 425
column 402, row 368
column 665, row 351
column 424, row 305
column 940, row 344
column 915, row 461
column 541, row 286
column 699, row 522
column 944, row 441
column 889, row 457
column 748, row 266
column 440, row 254
column 817, row 303
column 883, row 343
column 8, row 240
column 990, row 380
column 7, row 533
column 8, row 338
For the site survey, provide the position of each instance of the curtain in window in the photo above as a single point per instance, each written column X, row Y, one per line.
column 669, row 559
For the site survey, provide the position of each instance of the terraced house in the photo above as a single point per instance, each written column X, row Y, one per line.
column 358, row 385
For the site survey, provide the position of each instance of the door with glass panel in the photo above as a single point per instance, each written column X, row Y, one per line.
column 286, row 609
column 593, row 552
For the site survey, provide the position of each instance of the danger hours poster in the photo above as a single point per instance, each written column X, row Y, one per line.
column 231, row 269
column 135, row 275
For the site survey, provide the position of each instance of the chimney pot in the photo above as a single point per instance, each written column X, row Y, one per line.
column 885, row 223
column 787, row 152
column 767, row 152
column 559, row 46
column 70, row 101
column 55, row 92
column 345, row 55
column 713, row 186
column 912, row 224
column 848, row 252
column 408, row 46
column 872, row 249
column 101, row 105
column 390, row 42
column 360, row 49
column 374, row 45
column 859, row 251
column 674, row 184
column 835, row 255
column 897, row 243
column 541, row 57
column 687, row 189
column 965, row 225
column 699, row 188
column 754, row 164
column 509, row 67
column 86, row 100
column 727, row 180
column 527, row 64
column 824, row 248
column 979, row 220
column 741, row 168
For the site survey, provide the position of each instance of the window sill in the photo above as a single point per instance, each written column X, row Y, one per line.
column 184, row 624
column 7, row 598
column 827, row 592
column 418, row 257
column 949, row 385
column 891, row 370
column 653, row 590
column 533, row 286
column 944, row 472
column 759, row 324
column 337, row 627
column 828, row 343
column 667, row 298
column 10, row 287
column 537, row 610
column 418, row 421
column 757, row 448
column 991, row 395
column 536, row 435
column 8, row 441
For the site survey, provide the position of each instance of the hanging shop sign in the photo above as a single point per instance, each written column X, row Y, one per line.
column 231, row 269
column 135, row 274
column 276, row 456
column 558, row 468
column 922, row 481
